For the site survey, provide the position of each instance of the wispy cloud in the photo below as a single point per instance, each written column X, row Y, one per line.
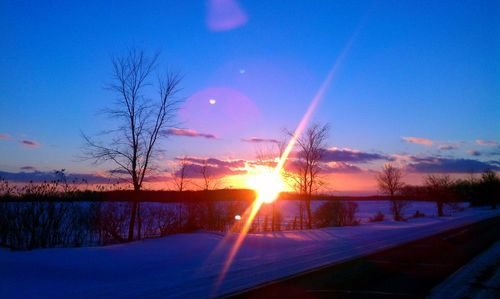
column 28, row 168
column 30, row 143
column 225, row 15
column 474, row 153
column 259, row 140
column 448, row 146
column 417, row 140
column 486, row 142
column 5, row 136
column 238, row 163
column 188, row 133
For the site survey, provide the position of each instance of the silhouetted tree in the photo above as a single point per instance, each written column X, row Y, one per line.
column 439, row 189
column 132, row 145
column 390, row 182
column 489, row 187
column 208, row 182
column 179, row 175
column 306, row 171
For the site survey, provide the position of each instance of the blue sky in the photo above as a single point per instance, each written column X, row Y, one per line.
column 427, row 69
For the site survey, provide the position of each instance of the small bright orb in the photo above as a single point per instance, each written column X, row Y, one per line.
column 267, row 184
column 212, row 101
column 242, row 71
column 237, row 217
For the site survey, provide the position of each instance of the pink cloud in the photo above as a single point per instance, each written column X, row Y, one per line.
column 5, row 137
column 225, row 15
column 188, row 133
column 259, row 140
column 486, row 142
column 423, row 141
column 30, row 143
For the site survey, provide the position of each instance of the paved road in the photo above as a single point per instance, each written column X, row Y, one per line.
column 407, row 271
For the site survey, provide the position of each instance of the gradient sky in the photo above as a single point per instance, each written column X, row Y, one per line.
column 419, row 80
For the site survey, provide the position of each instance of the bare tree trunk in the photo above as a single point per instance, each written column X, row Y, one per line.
column 139, row 221
column 301, row 208
column 133, row 213
column 440, row 208
column 309, row 214
column 131, row 226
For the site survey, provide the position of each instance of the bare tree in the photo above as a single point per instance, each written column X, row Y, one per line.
column 132, row 145
column 208, row 182
column 180, row 181
column 306, row 173
column 179, row 173
column 438, row 188
column 489, row 188
column 390, row 182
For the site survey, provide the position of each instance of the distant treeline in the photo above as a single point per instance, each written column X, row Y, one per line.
column 476, row 193
column 168, row 196
column 130, row 195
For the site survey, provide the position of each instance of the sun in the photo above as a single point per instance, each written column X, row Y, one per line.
column 267, row 183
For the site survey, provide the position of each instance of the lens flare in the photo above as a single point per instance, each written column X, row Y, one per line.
column 267, row 184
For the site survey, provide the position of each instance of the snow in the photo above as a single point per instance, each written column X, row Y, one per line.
column 465, row 283
column 366, row 208
column 188, row 265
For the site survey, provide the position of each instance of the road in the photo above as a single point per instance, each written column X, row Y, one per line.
column 406, row 271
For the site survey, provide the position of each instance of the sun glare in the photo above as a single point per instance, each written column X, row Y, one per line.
column 268, row 185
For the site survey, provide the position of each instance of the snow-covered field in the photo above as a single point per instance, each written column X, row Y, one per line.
column 366, row 208
column 188, row 265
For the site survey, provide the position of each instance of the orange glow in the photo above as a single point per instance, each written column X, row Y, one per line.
column 268, row 184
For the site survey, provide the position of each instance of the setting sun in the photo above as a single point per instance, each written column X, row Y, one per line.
column 268, row 184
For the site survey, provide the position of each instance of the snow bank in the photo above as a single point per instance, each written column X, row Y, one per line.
column 188, row 265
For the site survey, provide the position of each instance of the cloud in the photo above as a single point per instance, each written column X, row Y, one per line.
column 448, row 146
column 29, row 168
column 5, row 136
column 259, row 140
column 423, row 141
column 340, row 167
column 486, row 142
column 195, row 171
column 474, row 153
column 215, row 168
column 351, row 155
column 214, row 162
column 30, row 143
column 225, row 15
column 188, row 133
column 448, row 165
